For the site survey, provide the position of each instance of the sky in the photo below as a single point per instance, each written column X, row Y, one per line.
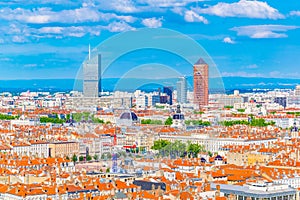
column 244, row 38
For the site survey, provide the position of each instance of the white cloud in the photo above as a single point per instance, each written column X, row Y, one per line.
column 295, row 13
column 72, row 31
column 46, row 15
column 191, row 16
column 243, row 8
column 263, row 31
column 119, row 27
column 166, row 3
column 152, row 22
column 5, row 59
column 124, row 6
column 31, row 65
column 228, row 40
column 19, row 39
column 253, row 66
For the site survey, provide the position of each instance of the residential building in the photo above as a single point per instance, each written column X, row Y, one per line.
column 61, row 149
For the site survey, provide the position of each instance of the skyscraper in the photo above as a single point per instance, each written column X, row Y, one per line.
column 201, row 83
column 181, row 86
column 169, row 91
column 92, row 76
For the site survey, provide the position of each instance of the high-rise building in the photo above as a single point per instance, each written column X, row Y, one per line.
column 181, row 86
column 169, row 91
column 281, row 101
column 201, row 83
column 92, row 76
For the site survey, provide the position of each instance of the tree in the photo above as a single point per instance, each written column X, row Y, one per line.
column 81, row 158
column 107, row 170
column 194, row 149
column 88, row 158
column 109, row 156
column 149, row 121
column 68, row 116
column 96, row 157
column 174, row 149
column 197, row 122
column 74, row 158
column 98, row 121
column 67, row 158
column 169, row 121
column 160, row 144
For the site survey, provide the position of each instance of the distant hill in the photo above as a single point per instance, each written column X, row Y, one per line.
column 108, row 84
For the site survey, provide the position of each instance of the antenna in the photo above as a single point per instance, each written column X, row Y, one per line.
column 89, row 52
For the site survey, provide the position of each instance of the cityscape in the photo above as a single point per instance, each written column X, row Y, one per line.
column 142, row 99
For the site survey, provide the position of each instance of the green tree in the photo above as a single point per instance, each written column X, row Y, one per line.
column 167, row 148
column 81, row 158
column 96, row 157
column 107, row 170
column 159, row 144
column 176, row 148
column 98, row 121
column 8, row 117
column 74, row 158
column 169, row 121
column 197, row 123
column 51, row 120
column 88, row 158
column 68, row 116
column 108, row 155
column 194, row 149
column 149, row 121
column 67, row 158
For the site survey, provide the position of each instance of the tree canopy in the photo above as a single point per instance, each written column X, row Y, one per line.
column 169, row 121
column 253, row 122
column 177, row 148
column 160, row 144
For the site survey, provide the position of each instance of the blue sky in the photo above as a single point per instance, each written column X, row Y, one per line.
column 244, row 38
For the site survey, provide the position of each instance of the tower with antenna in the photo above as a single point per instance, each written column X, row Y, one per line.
column 92, row 75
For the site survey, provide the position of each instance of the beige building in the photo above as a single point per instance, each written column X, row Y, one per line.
column 57, row 149
column 247, row 158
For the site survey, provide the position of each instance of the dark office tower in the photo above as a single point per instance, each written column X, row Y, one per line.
column 201, row 83
column 92, row 76
column 281, row 101
column 169, row 91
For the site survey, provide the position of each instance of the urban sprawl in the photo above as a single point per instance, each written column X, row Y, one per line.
column 168, row 144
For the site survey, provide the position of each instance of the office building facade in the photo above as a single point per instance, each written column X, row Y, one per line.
column 169, row 91
column 201, row 83
column 181, row 90
column 92, row 77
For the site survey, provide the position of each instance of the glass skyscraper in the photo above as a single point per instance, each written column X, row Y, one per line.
column 92, row 76
column 181, row 90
